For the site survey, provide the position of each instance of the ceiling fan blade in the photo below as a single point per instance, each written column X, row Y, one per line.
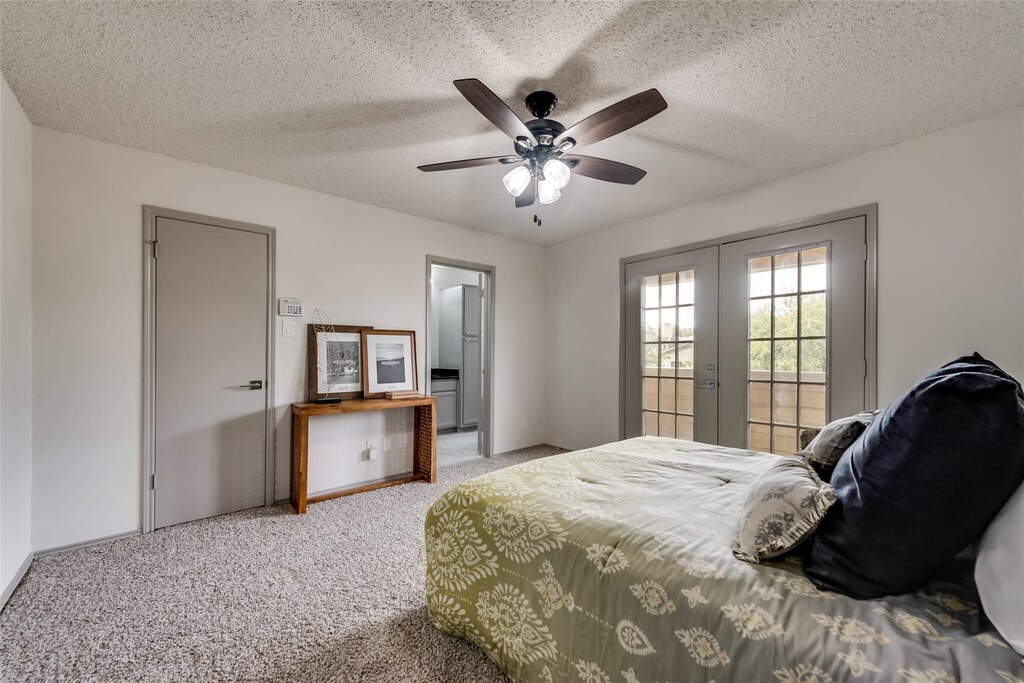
column 612, row 120
column 469, row 163
column 604, row 169
column 529, row 195
column 492, row 106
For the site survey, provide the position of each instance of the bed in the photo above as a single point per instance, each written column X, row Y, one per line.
column 615, row 564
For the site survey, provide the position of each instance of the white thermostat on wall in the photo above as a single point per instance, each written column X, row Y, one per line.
column 291, row 307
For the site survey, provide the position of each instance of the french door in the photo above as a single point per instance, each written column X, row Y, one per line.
column 672, row 346
column 793, row 343
column 777, row 344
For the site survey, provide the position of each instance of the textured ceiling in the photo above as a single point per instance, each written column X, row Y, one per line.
column 348, row 98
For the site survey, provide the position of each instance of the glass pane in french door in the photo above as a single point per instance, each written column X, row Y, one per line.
column 787, row 341
column 667, row 318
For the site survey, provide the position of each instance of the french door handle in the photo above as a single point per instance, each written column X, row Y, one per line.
column 253, row 385
column 707, row 384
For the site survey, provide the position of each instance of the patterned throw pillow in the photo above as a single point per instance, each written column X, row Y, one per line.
column 828, row 446
column 784, row 506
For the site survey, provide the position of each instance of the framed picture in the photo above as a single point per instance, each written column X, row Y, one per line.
column 334, row 361
column 389, row 360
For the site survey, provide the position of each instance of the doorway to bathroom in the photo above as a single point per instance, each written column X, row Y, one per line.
column 460, row 325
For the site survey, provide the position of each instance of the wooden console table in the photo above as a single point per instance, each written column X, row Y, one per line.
column 424, row 454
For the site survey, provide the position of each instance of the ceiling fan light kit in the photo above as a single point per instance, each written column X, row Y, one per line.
column 547, row 193
column 542, row 165
column 517, row 179
column 557, row 173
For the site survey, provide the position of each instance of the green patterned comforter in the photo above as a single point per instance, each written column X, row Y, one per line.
column 614, row 564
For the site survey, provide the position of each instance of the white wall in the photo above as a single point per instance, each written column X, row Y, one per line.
column 88, row 308
column 951, row 279
column 15, row 336
column 951, row 239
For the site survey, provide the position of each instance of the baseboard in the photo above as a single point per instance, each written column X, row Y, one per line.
column 86, row 544
column 18, row 576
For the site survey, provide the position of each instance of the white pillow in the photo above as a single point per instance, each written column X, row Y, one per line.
column 999, row 571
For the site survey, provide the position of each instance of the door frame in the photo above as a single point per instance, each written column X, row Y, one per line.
column 150, row 214
column 486, row 423
column 870, row 214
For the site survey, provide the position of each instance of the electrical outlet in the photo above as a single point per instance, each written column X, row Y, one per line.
column 371, row 451
column 522, row 425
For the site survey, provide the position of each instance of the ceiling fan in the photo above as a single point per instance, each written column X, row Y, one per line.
column 542, row 165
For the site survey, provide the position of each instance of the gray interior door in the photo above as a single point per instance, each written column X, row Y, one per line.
column 792, row 335
column 483, row 283
column 471, row 310
column 472, row 386
column 212, row 289
column 471, row 391
column 671, row 341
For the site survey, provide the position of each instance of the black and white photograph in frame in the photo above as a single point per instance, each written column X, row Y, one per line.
column 338, row 353
column 389, row 361
column 335, row 363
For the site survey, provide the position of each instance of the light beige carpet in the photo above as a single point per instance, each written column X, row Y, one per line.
column 262, row 595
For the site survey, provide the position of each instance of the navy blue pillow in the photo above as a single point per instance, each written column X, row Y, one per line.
column 922, row 482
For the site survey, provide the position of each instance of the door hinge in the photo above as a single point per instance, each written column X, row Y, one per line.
column 865, row 368
column 865, row 253
column 152, row 481
column 156, row 248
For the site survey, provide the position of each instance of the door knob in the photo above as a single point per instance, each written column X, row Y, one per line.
column 253, row 385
